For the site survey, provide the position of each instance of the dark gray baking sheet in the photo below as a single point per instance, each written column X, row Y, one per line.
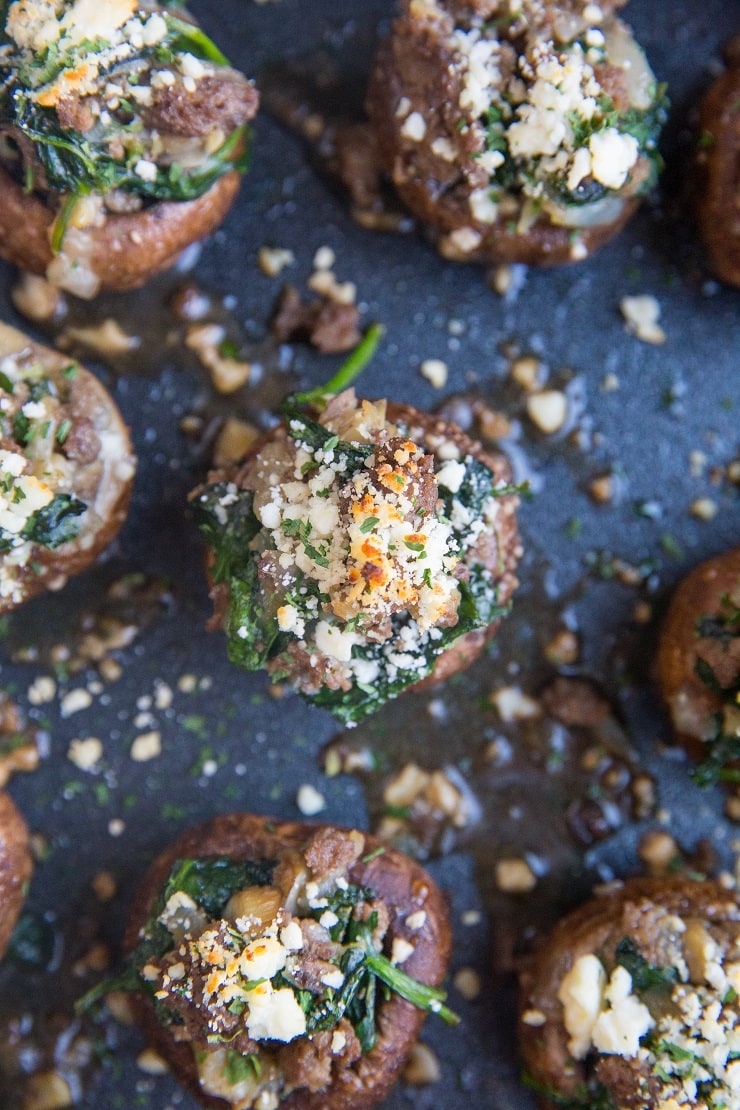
column 673, row 399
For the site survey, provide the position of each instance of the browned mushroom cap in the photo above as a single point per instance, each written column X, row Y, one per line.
column 718, row 197
column 690, row 701
column 128, row 249
column 415, row 65
column 102, row 477
column 15, row 867
column 400, row 882
column 640, row 910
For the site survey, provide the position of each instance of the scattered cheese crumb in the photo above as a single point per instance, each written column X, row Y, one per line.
column 74, row 702
column 146, row 746
column 467, row 983
column 548, row 410
column 422, row 1067
column 435, row 371
column 273, row 260
column 85, row 753
column 704, row 508
column 641, row 314
column 151, row 1062
column 309, row 800
column 515, row 876
column 324, row 258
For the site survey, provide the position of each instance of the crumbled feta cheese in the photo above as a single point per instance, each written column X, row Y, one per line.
column 414, row 127
column 274, row 1014
column 612, row 156
column 581, row 993
column 309, row 800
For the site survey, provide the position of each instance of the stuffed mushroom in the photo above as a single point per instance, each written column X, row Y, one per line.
column 124, row 137
column 66, row 468
column 15, row 867
column 516, row 132
column 632, row 1001
column 718, row 195
column 359, row 550
column 699, row 666
column 277, row 963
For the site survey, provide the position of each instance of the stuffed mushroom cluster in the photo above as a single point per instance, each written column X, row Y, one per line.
column 516, row 132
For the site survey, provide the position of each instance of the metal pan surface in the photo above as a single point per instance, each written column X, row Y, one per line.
column 662, row 422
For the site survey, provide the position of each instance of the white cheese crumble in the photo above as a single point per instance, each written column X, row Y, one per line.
column 612, row 157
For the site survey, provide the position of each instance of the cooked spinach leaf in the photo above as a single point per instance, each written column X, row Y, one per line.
column 210, row 881
column 57, row 523
column 645, row 976
column 239, row 1067
column 305, row 430
column 225, row 516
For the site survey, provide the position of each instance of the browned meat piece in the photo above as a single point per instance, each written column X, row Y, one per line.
column 663, row 948
column 330, row 327
column 15, row 867
column 83, row 442
column 84, row 414
column 421, row 483
column 575, row 701
column 355, row 1081
column 332, row 851
column 220, row 102
column 310, row 1064
column 718, row 197
column 694, row 635
column 75, row 113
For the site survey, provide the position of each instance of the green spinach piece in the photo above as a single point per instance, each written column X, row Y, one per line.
column 229, row 529
column 32, row 941
column 305, row 430
column 211, row 881
column 57, row 523
column 226, row 517
column 239, row 1067
column 363, row 967
column 645, row 976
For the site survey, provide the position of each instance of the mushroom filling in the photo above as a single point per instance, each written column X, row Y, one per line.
column 560, row 108
column 273, row 970
column 666, row 1032
column 107, row 107
column 355, row 552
